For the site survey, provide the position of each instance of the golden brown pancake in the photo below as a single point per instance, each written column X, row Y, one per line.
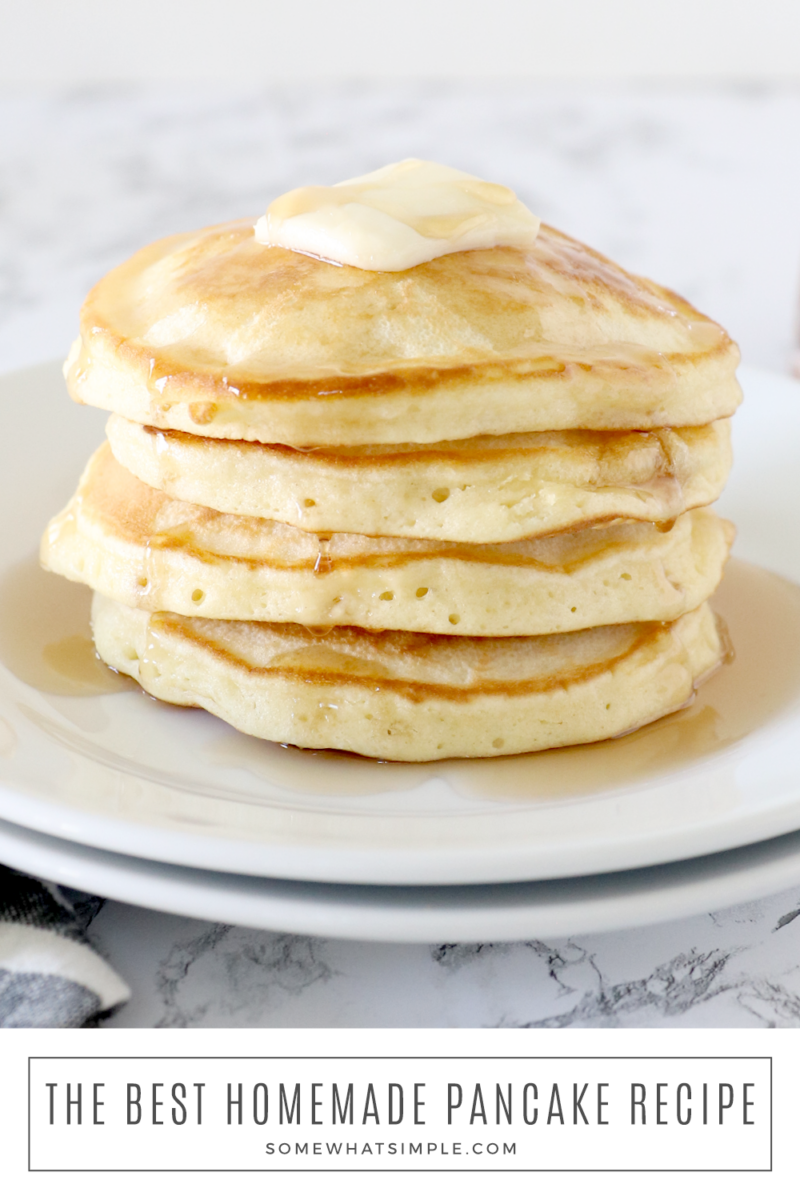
column 483, row 489
column 138, row 546
column 215, row 334
column 412, row 696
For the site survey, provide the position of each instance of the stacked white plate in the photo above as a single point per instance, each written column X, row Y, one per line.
column 170, row 808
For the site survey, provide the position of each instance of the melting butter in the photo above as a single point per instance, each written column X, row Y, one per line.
column 395, row 218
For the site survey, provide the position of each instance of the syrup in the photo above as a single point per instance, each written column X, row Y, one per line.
column 45, row 634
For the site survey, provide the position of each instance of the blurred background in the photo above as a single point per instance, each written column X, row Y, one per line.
column 666, row 133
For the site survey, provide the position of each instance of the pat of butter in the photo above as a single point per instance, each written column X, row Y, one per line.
column 392, row 219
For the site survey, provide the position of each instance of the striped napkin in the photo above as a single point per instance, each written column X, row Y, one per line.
column 50, row 977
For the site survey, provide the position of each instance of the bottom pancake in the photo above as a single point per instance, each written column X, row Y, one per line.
column 410, row 696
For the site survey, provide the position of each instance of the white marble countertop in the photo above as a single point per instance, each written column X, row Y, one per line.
column 698, row 188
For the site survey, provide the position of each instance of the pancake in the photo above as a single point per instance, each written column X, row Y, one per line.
column 139, row 547
column 412, row 696
column 216, row 334
column 484, row 489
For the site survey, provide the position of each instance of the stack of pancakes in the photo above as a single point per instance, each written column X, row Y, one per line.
column 458, row 510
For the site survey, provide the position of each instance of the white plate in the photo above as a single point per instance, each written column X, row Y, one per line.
column 482, row 913
column 123, row 773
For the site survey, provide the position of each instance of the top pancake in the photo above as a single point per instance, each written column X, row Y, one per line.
column 213, row 333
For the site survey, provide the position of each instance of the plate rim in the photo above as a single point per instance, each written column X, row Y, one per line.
column 566, row 907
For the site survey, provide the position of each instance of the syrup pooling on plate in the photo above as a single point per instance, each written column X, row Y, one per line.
column 45, row 636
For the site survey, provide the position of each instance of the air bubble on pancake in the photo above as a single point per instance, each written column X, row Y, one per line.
column 440, row 494
column 386, row 596
column 625, row 575
column 454, row 618
column 421, row 592
column 498, row 743
column 309, row 503
column 198, row 595
column 142, row 581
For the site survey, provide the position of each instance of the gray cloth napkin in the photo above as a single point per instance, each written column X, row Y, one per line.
column 50, row 977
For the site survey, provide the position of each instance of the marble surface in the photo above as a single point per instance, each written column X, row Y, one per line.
column 697, row 187
column 739, row 967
